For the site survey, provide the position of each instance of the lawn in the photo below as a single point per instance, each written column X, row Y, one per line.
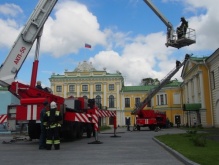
column 206, row 154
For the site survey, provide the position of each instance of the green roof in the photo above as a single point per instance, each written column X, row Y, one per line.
column 137, row 88
column 172, row 83
column 3, row 88
column 198, row 59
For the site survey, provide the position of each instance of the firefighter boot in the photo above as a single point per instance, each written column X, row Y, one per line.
column 57, row 146
column 48, row 146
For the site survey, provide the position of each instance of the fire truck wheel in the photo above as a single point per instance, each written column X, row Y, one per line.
column 89, row 130
column 34, row 130
column 138, row 128
column 79, row 130
column 152, row 127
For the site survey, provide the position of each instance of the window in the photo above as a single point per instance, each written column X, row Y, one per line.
column 59, row 88
column 212, row 80
column 98, row 87
column 127, row 102
column 84, row 87
column 162, row 99
column 71, row 88
column 111, row 87
column 111, row 101
column 176, row 98
column 98, row 100
column 137, row 100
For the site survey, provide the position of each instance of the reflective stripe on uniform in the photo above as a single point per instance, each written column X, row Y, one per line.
column 56, row 141
column 48, row 141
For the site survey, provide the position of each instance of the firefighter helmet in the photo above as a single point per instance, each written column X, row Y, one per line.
column 53, row 105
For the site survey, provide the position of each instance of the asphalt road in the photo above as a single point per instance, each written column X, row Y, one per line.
column 127, row 148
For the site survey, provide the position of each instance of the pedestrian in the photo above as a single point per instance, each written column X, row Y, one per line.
column 52, row 120
column 42, row 141
column 181, row 30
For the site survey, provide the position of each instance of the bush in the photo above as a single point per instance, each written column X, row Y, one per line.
column 191, row 132
column 199, row 140
column 104, row 127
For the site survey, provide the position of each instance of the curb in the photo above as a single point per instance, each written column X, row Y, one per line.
column 179, row 156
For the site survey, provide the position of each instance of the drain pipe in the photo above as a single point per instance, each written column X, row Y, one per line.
column 209, row 82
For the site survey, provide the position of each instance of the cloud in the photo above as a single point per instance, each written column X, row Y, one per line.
column 205, row 22
column 136, row 56
column 9, row 31
column 10, row 10
column 72, row 26
column 138, row 59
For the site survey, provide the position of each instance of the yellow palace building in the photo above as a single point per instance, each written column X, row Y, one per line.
column 194, row 99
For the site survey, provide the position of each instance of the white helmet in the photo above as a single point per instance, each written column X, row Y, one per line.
column 53, row 105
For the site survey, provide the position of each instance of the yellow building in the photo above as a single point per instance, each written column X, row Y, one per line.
column 130, row 96
column 168, row 100
column 196, row 93
column 86, row 81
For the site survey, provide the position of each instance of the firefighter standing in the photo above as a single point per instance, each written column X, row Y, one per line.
column 42, row 144
column 52, row 122
column 181, row 30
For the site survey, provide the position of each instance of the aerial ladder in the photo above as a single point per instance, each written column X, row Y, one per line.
column 32, row 31
column 79, row 115
column 163, row 82
column 172, row 40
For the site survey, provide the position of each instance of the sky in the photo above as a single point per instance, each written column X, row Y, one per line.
column 125, row 36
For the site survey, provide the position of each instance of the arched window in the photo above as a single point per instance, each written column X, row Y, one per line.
column 98, row 101
column 111, row 101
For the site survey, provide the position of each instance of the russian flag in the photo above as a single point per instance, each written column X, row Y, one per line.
column 87, row 45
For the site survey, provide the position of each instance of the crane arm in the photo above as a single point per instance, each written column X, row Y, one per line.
column 31, row 31
column 163, row 82
column 158, row 13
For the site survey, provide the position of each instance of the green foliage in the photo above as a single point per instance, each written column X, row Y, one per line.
column 187, row 144
column 191, row 132
column 104, row 127
column 199, row 140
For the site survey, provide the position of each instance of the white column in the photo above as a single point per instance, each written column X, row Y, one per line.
column 186, row 92
column 202, row 89
column 190, row 91
column 78, row 90
column 91, row 90
column 65, row 90
column 195, row 89
column 104, row 94
column 53, row 87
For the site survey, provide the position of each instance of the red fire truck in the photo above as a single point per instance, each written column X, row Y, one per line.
column 79, row 114
column 152, row 118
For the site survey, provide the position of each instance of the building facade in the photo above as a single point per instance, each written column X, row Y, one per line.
column 196, row 92
column 168, row 100
column 212, row 63
column 86, row 81
column 6, row 99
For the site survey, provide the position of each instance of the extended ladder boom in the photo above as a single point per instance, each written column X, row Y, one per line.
column 31, row 31
column 172, row 39
column 157, row 12
column 163, row 82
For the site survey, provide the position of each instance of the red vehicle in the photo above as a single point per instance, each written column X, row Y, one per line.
column 151, row 119
column 79, row 114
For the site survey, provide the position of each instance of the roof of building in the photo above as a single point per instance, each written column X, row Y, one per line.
column 3, row 88
column 172, row 83
column 84, row 67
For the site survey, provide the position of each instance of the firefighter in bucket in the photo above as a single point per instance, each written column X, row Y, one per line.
column 52, row 120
